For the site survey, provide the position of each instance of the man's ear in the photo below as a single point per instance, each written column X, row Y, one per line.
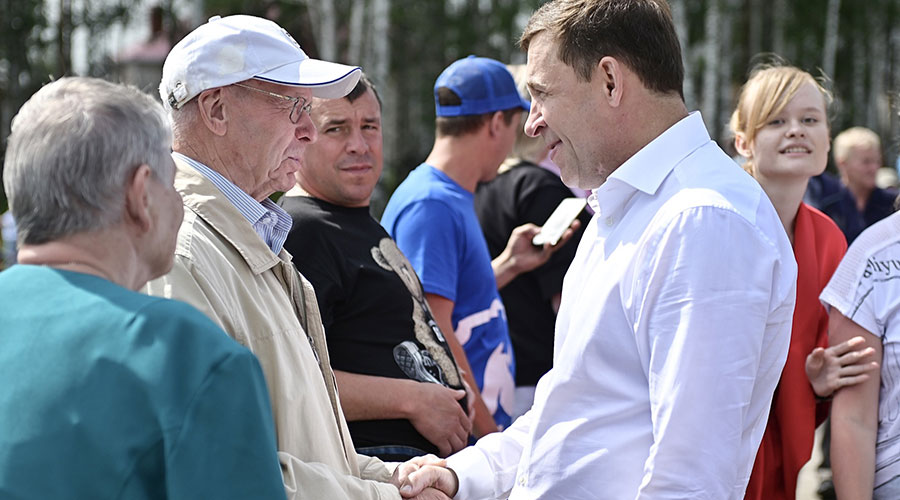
column 496, row 122
column 137, row 199
column 611, row 76
column 742, row 146
column 211, row 106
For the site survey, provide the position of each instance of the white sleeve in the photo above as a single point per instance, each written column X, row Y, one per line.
column 715, row 319
column 488, row 469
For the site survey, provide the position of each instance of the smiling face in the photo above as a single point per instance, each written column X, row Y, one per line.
column 343, row 166
column 266, row 147
column 566, row 113
column 794, row 142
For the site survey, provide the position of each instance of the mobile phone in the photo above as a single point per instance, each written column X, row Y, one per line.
column 559, row 221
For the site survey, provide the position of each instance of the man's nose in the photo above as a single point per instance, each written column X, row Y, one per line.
column 356, row 143
column 535, row 121
column 305, row 129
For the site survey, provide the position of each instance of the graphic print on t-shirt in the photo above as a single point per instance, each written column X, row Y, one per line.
column 876, row 297
column 434, row 363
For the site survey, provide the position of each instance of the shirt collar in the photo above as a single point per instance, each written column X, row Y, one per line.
column 266, row 217
column 251, row 209
column 646, row 170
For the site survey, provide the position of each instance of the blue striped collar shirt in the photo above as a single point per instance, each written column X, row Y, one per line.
column 270, row 221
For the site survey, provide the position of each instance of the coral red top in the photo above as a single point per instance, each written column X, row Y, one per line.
column 787, row 443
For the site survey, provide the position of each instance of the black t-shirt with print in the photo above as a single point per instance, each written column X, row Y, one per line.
column 376, row 319
column 527, row 193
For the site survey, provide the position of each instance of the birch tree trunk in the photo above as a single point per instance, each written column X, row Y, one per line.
column 711, row 65
column 829, row 52
column 754, row 27
column 779, row 13
column 894, row 108
column 357, row 32
column 381, row 47
column 681, row 28
column 876, row 114
column 64, row 38
column 858, row 79
column 726, row 56
column 380, row 65
column 324, row 27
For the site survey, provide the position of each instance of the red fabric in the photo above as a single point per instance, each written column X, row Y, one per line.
column 787, row 443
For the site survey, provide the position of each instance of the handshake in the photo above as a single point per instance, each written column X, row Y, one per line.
column 425, row 478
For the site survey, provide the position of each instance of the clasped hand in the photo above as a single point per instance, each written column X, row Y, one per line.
column 425, row 478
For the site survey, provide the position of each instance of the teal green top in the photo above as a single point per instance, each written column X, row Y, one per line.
column 109, row 393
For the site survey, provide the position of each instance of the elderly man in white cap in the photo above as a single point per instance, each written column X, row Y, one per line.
column 239, row 90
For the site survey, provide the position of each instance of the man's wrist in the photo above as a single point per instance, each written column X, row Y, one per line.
column 505, row 268
column 455, row 487
column 408, row 405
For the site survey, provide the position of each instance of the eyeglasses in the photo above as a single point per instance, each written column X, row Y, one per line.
column 300, row 103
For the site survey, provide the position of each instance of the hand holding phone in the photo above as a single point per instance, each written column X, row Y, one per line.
column 560, row 220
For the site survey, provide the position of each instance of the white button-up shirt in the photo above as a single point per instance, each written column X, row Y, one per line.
column 670, row 340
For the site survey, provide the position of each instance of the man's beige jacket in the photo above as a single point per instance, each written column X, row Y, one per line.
column 223, row 268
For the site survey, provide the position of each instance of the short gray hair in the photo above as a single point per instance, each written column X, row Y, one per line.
column 72, row 149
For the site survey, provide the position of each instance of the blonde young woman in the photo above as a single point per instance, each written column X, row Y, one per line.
column 781, row 128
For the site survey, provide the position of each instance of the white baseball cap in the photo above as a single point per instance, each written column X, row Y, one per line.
column 232, row 49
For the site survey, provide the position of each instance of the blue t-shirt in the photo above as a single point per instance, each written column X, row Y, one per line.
column 433, row 221
column 109, row 393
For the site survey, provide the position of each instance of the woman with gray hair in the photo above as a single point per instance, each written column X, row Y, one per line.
column 107, row 392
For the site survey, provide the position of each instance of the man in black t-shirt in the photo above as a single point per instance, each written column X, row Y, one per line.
column 400, row 388
column 527, row 192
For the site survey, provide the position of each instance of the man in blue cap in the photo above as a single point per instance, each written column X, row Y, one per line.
column 432, row 218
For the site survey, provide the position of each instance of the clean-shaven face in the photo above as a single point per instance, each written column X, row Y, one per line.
column 568, row 113
column 344, row 164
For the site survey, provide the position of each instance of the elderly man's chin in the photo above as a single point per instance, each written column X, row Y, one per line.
column 283, row 178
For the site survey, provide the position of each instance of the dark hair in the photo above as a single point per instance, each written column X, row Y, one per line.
column 639, row 33
column 456, row 126
column 361, row 87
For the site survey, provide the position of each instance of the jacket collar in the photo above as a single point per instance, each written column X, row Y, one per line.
column 203, row 198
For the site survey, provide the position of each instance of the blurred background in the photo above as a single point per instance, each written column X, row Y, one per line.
column 404, row 44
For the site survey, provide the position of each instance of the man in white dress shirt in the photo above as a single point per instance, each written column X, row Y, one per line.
column 676, row 312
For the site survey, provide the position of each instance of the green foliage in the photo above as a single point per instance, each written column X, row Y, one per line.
column 424, row 36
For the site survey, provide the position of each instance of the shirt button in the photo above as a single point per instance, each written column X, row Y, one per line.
column 609, row 221
column 522, row 481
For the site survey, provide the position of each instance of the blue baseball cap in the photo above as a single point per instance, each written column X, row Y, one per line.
column 482, row 84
